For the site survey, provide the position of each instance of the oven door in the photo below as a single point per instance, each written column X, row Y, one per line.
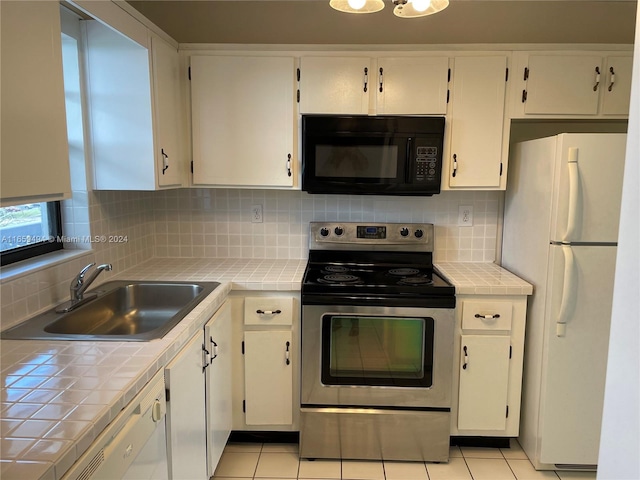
column 376, row 356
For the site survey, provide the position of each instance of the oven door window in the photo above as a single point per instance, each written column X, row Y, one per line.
column 377, row 351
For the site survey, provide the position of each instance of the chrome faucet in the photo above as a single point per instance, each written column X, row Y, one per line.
column 78, row 286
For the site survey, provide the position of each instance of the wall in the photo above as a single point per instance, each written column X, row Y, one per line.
column 217, row 222
column 620, row 438
column 124, row 214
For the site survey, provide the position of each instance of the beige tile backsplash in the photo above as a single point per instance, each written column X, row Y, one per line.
column 216, row 223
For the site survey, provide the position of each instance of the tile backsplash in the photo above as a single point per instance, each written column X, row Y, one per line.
column 217, row 222
column 128, row 228
column 121, row 228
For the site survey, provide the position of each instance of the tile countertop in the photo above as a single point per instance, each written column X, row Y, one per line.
column 483, row 279
column 57, row 396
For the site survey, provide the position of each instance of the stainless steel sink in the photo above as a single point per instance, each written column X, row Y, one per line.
column 122, row 311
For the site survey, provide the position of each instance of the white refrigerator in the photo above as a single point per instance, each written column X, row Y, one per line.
column 560, row 231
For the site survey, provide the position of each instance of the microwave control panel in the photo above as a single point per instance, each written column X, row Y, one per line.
column 426, row 165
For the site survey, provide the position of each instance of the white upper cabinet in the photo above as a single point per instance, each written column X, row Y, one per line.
column 477, row 124
column 412, row 85
column 243, row 120
column 35, row 152
column 571, row 84
column 166, row 83
column 133, row 108
column 337, row 85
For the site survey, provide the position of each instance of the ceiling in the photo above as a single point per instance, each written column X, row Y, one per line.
column 463, row 22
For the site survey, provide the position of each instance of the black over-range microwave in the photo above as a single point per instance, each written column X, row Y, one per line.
column 378, row 155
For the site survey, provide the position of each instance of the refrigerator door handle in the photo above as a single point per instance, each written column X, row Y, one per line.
column 574, row 186
column 567, row 291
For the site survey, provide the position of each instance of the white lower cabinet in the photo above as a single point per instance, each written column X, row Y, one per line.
column 186, row 413
column 484, row 381
column 267, row 378
column 488, row 370
column 266, row 366
column 198, row 381
column 217, row 336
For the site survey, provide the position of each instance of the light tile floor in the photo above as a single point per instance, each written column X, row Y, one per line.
column 244, row 461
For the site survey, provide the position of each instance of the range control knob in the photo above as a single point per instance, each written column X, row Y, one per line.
column 419, row 233
column 404, row 231
column 324, row 232
column 338, row 231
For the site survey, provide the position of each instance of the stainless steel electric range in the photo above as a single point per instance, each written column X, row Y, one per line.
column 377, row 344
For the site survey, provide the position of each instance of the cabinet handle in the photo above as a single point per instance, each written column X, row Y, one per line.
column 286, row 354
column 165, row 161
column 380, row 80
column 612, row 76
column 495, row 315
column 466, row 358
column 215, row 348
column 268, row 312
column 595, row 87
column 366, row 78
column 205, row 358
column 455, row 165
column 289, row 164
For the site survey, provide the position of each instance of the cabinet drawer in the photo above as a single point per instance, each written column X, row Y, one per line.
column 268, row 311
column 479, row 315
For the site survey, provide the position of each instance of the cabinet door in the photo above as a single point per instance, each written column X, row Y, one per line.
column 564, row 84
column 166, row 83
column 242, row 120
column 35, row 152
column 120, row 110
column 411, row 85
column 268, row 378
column 616, row 85
column 477, row 121
column 339, row 85
column 217, row 335
column 484, row 379
column 186, row 414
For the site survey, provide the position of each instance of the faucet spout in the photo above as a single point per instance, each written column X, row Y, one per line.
column 79, row 284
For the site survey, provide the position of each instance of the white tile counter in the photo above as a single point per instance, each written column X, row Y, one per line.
column 57, row 396
column 483, row 279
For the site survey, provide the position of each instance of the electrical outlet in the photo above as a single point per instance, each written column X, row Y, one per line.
column 256, row 213
column 465, row 216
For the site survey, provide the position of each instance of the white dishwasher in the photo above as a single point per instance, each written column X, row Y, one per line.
column 133, row 446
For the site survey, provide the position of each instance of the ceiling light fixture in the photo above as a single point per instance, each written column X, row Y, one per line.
column 402, row 9
column 357, row 6
column 418, row 8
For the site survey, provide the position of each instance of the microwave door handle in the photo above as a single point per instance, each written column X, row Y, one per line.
column 408, row 164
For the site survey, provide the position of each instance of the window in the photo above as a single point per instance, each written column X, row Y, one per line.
column 29, row 230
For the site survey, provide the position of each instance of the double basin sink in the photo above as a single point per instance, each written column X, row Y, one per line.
column 121, row 311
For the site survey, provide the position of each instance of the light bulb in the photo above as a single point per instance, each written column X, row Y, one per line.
column 421, row 5
column 357, row 4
